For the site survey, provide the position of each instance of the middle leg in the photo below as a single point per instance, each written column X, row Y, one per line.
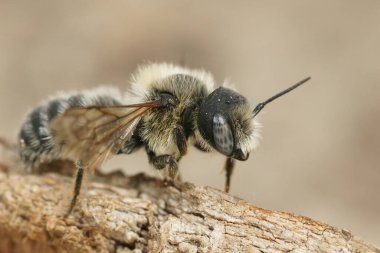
column 167, row 163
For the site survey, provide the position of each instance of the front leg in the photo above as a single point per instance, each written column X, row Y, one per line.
column 167, row 163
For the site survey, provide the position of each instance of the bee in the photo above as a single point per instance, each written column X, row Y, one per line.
column 167, row 109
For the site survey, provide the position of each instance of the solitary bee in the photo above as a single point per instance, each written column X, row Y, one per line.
column 167, row 109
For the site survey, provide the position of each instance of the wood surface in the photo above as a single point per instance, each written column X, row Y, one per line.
column 117, row 213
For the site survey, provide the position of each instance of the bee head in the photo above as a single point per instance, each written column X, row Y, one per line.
column 225, row 122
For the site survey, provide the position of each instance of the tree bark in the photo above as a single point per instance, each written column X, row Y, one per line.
column 117, row 213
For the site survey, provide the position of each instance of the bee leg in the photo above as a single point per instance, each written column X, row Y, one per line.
column 162, row 162
column 77, row 187
column 180, row 138
column 229, row 168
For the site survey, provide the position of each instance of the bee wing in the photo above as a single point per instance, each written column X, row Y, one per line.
column 92, row 134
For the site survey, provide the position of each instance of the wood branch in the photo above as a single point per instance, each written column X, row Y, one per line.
column 140, row 214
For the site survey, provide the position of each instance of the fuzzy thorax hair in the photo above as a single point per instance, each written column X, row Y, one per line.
column 150, row 76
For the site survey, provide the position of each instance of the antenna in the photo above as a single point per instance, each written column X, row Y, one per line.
column 261, row 105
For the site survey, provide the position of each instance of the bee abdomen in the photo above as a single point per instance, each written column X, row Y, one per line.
column 36, row 140
column 35, row 137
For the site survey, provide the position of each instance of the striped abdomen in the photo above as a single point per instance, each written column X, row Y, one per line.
column 36, row 141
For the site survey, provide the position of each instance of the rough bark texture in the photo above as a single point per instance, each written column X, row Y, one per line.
column 141, row 214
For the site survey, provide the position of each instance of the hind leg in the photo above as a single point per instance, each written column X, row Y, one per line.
column 77, row 186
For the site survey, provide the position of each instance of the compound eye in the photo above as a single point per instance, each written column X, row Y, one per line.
column 223, row 137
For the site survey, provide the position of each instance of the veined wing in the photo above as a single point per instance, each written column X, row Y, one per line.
column 92, row 134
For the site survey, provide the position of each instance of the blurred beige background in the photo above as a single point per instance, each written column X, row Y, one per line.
column 320, row 153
